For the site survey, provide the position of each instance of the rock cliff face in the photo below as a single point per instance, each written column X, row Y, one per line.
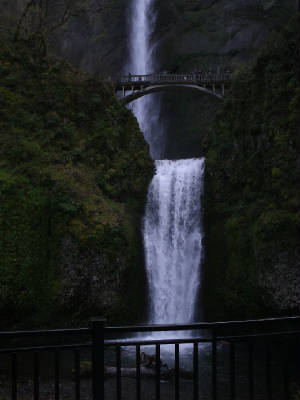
column 191, row 33
column 94, row 39
column 213, row 33
column 92, row 36
column 208, row 34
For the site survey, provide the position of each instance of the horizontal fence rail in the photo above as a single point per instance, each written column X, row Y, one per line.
column 264, row 347
column 174, row 78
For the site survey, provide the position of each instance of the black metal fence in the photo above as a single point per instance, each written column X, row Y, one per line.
column 257, row 342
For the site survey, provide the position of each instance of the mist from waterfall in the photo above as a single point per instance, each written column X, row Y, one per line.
column 142, row 60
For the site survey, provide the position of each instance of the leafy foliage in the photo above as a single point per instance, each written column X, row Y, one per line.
column 253, row 171
column 71, row 159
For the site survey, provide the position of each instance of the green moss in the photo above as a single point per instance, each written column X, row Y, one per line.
column 275, row 224
column 71, row 158
column 253, row 174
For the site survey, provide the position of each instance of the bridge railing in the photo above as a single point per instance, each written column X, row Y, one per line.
column 201, row 77
column 266, row 348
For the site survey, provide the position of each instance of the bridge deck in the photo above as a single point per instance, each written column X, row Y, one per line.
column 129, row 81
column 141, row 85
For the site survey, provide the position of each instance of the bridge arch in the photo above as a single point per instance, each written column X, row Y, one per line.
column 142, row 85
column 134, row 95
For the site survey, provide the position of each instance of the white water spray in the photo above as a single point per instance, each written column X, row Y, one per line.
column 172, row 236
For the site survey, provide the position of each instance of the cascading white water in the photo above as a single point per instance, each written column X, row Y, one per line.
column 172, row 228
column 172, row 237
column 142, row 60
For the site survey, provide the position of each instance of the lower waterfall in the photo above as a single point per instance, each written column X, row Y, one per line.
column 172, row 239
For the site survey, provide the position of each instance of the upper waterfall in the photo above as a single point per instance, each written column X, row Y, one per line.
column 142, row 60
column 142, row 24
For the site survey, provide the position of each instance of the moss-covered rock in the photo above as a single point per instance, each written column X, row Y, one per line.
column 252, row 187
column 73, row 178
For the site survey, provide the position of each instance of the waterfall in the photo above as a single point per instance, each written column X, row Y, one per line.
column 172, row 237
column 142, row 60
column 172, row 222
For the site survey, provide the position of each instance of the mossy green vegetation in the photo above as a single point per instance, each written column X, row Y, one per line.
column 252, row 200
column 74, row 172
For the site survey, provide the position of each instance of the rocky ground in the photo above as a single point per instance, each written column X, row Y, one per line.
column 128, row 391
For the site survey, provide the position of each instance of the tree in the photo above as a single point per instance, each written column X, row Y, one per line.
column 41, row 17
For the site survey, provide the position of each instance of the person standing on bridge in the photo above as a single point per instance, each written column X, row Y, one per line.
column 195, row 74
column 129, row 77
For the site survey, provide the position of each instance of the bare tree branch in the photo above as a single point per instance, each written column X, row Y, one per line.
column 64, row 18
column 23, row 16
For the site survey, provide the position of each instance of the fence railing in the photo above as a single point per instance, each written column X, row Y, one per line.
column 161, row 78
column 254, row 344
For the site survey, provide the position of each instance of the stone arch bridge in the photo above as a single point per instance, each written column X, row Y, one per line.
column 131, row 87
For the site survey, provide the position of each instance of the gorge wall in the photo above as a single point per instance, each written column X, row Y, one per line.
column 91, row 35
column 205, row 34
column 252, row 201
column 251, row 152
column 192, row 33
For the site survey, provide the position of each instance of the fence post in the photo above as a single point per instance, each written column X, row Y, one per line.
column 214, row 364
column 98, row 325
